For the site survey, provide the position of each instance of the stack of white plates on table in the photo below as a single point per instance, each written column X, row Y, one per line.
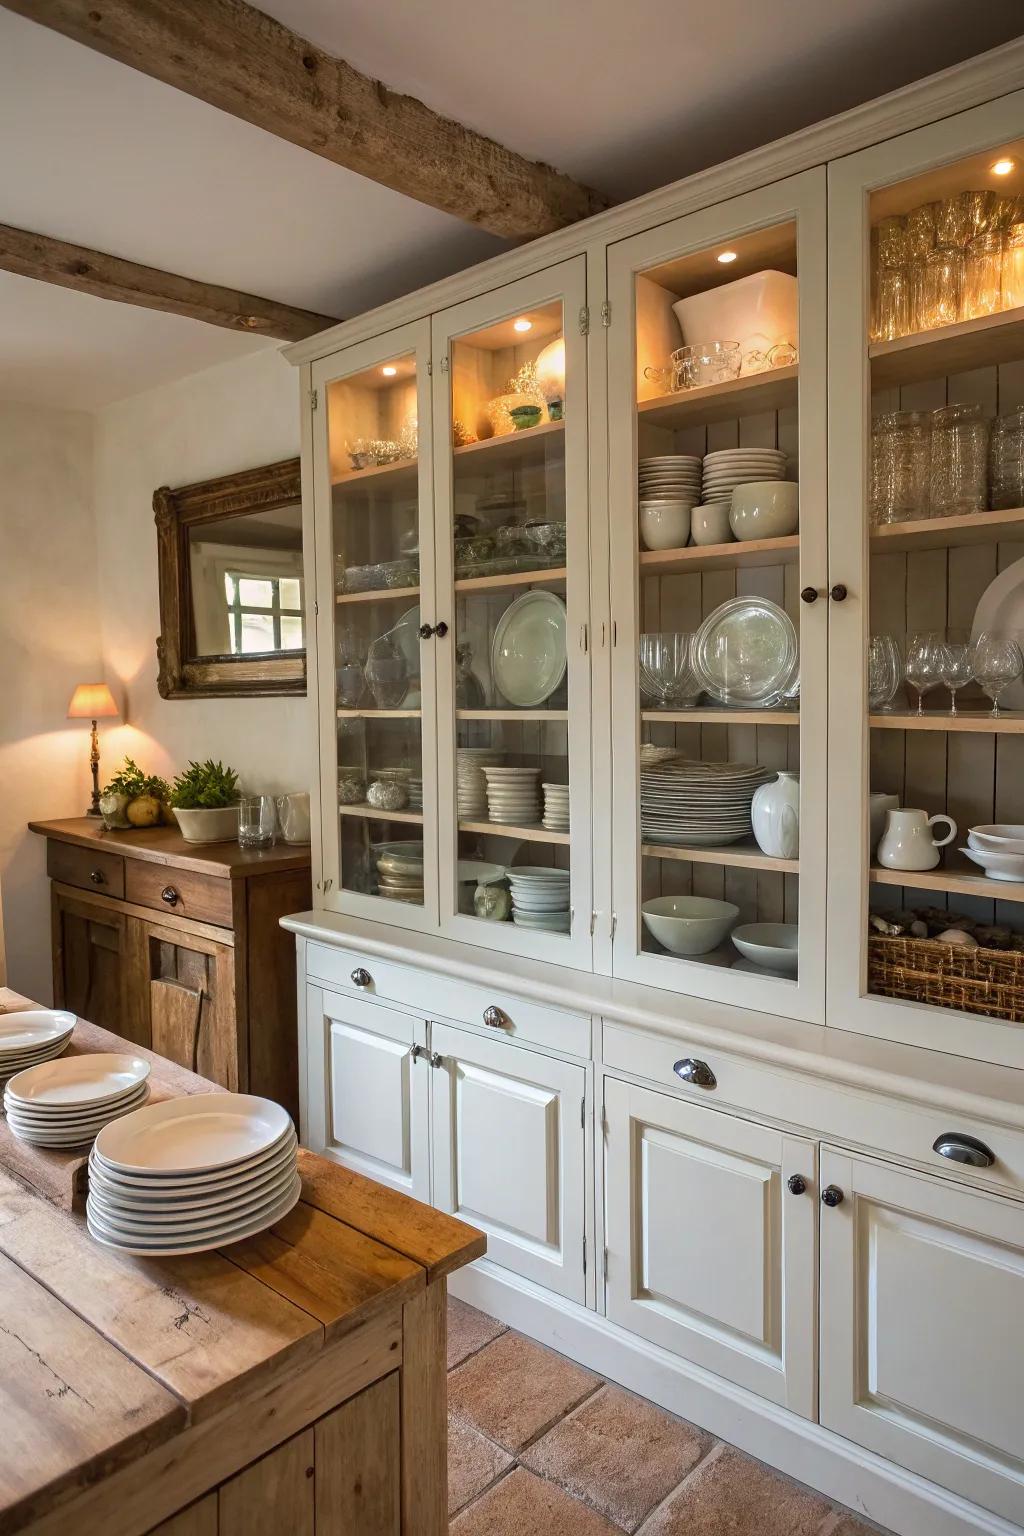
column 540, row 897
column 415, row 792
column 556, row 807
column 192, row 1174
column 470, row 782
column 512, row 796
column 670, row 477
column 31, row 1036
column 730, row 467
column 400, row 873
column 66, row 1103
column 698, row 804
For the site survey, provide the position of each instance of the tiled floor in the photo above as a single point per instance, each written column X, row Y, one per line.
column 538, row 1446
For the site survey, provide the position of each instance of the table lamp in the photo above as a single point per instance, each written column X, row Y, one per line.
column 93, row 701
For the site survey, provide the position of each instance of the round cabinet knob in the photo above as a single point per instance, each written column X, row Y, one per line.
column 696, row 1072
column 426, row 631
column 964, row 1149
column 170, row 895
column 441, row 629
column 809, row 595
column 838, row 593
column 97, row 877
column 796, row 1184
column 361, row 977
column 832, row 1195
column 496, row 1018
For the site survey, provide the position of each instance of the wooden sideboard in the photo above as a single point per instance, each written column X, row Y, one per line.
column 177, row 947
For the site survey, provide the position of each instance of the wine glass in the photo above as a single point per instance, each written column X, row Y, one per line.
column 885, row 671
column 921, row 669
column 956, row 665
column 665, row 668
column 997, row 663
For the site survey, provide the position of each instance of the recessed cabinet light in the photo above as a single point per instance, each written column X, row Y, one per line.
column 389, row 370
column 726, row 256
column 1003, row 167
column 522, row 325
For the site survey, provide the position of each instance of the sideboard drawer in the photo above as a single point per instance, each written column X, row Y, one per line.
column 92, row 870
column 181, row 891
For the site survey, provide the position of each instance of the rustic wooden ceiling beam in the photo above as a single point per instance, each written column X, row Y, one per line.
column 109, row 277
column 237, row 58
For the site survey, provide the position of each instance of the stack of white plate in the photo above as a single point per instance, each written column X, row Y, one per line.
column 540, row 897
column 512, row 796
column 400, row 874
column 698, row 804
column 649, row 753
column 66, row 1103
column 32, row 1036
column 192, row 1174
column 415, row 792
column 556, row 807
column 470, row 782
column 670, row 477
column 725, row 470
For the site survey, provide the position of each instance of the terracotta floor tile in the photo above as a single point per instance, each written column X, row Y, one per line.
column 619, row 1453
column 849, row 1525
column 731, row 1495
column 524, row 1505
column 468, row 1330
column 514, row 1390
column 473, row 1463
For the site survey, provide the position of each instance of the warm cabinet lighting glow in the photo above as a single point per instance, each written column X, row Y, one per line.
column 92, row 701
column 522, row 325
column 389, row 370
column 1003, row 167
column 726, row 256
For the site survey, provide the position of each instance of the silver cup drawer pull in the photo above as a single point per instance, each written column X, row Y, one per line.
column 496, row 1018
column 692, row 1070
column 964, row 1149
column 361, row 977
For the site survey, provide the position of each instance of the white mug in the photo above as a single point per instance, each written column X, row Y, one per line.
column 908, row 841
column 293, row 817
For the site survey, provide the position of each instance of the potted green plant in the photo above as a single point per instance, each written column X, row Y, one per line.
column 134, row 799
column 204, row 799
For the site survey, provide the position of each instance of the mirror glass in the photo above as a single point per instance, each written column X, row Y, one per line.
column 245, row 575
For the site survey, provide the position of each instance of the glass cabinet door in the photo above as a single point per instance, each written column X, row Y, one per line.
column 718, row 558
column 926, row 396
column 374, row 592
column 512, row 644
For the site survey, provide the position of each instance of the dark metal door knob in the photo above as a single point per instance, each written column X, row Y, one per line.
column 809, row 595
column 838, row 593
column 170, row 895
column 964, row 1149
column 832, row 1195
column 796, row 1184
column 440, row 630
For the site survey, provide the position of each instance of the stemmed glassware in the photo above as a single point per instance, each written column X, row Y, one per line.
column 998, row 662
column 922, row 668
column 956, row 665
column 666, row 669
column 885, row 671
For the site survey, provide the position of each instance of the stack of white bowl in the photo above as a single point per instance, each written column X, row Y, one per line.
column 400, row 874
column 999, row 849
column 512, row 796
column 470, row 782
column 66, row 1103
column 669, row 485
column 30, row 1036
column 415, row 792
column 730, row 467
column 192, row 1174
column 540, row 897
column 556, row 807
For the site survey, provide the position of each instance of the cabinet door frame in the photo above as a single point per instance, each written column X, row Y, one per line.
column 800, row 198
column 792, row 1381
column 567, row 283
column 411, row 338
column 565, row 1269
column 851, row 181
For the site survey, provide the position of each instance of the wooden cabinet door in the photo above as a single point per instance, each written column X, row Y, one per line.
column 184, row 987
column 508, row 1153
column 277, row 1493
column 89, row 966
column 922, row 1348
column 710, row 1254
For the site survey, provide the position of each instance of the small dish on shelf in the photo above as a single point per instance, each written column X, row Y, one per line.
column 997, row 866
column 528, row 652
column 1001, row 837
column 771, row 946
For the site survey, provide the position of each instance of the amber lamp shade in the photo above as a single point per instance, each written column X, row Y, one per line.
column 93, row 701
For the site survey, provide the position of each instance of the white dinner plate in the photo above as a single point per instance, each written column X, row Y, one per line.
column 159, row 1220
column 92, row 1080
column 32, row 1027
column 153, row 1201
column 204, row 1132
column 53, row 1119
column 528, row 655
column 10, row 1065
column 170, row 1247
column 1001, row 607
column 167, row 1186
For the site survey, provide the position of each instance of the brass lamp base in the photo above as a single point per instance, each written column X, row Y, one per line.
column 94, row 764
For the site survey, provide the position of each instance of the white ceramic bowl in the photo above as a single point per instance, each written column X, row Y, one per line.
column 709, row 523
column 998, row 866
column 765, row 509
column 688, row 925
column 1000, row 836
column 772, row 945
column 209, row 826
column 664, row 524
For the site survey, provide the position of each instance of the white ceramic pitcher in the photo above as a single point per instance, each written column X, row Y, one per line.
column 908, row 841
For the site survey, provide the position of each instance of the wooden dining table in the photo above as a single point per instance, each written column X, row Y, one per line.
column 293, row 1382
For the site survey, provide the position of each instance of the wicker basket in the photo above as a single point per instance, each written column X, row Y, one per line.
column 988, row 981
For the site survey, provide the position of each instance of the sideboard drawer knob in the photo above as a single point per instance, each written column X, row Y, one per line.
column 964, row 1149
column 496, row 1018
column 361, row 977
column 170, row 895
column 809, row 595
column 692, row 1070
column 796, row 1184
column 97, row 877
column 832, row 1195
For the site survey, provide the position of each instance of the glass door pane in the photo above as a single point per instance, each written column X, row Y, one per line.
column 517, row 695
column 380, row 691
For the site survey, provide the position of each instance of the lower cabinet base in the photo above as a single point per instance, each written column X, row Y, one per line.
column 876, row 1489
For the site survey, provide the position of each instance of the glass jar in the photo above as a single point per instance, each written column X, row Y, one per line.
column 942, row 287
column 921, row 229
column 951, row 223
column 1006, row 461
column 982, row 275
column 1012, row 268
column 959, row 468
column 979, row 213
column 900, row 466
column 892, row 242
column 892, row 308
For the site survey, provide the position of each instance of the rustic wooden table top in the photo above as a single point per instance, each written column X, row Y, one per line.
column 165, row 845
column 104, row 1356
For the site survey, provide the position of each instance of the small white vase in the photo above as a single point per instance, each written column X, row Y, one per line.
column 775, row 814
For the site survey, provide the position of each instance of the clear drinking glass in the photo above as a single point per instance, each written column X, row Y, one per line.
column 959, row 461
column 1006, row 461
column 998, row 662
column 257, row 821
column 892, row 315
column 951, row 223
column 956, row 664
column 942, row 287
column 892, row 241
column 982, row 275
column 1012, row 268
column 885, row 671
column 666, row 669
column 979, row 210
column 900, row 466
column 386, row 673
column 922, row 668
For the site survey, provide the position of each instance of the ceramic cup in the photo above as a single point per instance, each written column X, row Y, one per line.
column 664, row 524
column 908, row 841
column 710, row 524
column 765, row 509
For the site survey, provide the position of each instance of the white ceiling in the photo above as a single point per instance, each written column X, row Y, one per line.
column 624, row 97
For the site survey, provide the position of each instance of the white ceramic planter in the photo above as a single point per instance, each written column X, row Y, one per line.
column 219, row 826
column 775, row 814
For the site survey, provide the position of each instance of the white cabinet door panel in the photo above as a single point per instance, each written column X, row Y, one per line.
column 922, row 1296
column 709, row 1253
column 508, row 1153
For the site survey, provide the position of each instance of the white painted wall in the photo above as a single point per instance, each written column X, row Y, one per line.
column 49, row 642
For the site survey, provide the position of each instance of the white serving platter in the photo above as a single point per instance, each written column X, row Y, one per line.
column 204, row 1133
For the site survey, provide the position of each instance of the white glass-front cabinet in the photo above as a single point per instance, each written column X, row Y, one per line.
column 926, row 464
column 718, row 667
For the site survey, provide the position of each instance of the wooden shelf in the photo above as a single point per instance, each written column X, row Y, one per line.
column 512, row 714
column 745, row 855
column 720, row 716
column 379, row 714
column 1009, row 723
column 371, row 813
column 380, row 595
column 948, row 532
column 528, row 834
column 552, row 577
column 949, row 349
column 392, row 475
column 771, row 391
column 509, row 450
column 957, row 881
column 709, row 557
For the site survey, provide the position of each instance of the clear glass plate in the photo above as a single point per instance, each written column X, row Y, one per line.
column 745, row 651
